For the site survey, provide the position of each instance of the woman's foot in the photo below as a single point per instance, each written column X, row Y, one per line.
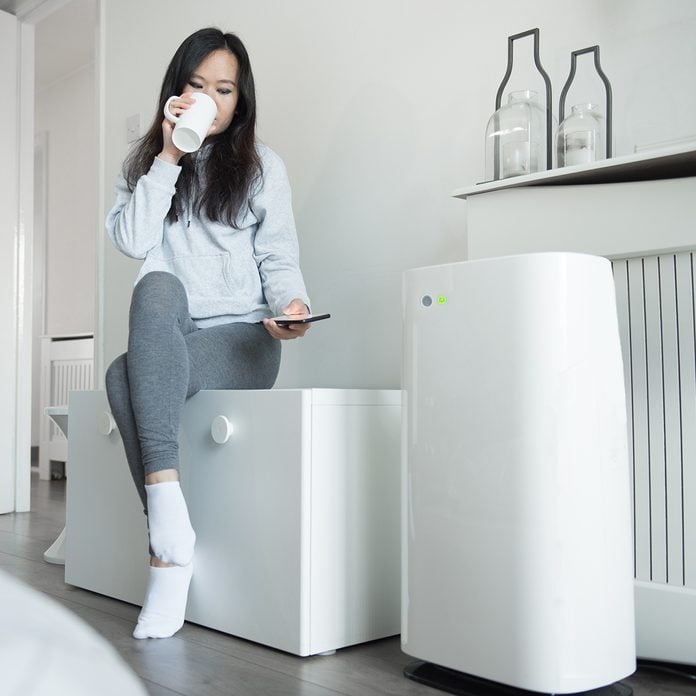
column 164, row 608
column 172, row 538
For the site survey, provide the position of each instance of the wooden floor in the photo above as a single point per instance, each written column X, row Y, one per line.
column 199, row 661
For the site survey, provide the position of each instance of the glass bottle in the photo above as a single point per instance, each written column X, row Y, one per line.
column 516, row 137
column 580, row 137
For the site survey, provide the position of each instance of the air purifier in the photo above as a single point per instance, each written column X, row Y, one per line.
column 516, row 517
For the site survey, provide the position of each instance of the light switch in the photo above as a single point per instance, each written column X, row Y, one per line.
column 133, row 128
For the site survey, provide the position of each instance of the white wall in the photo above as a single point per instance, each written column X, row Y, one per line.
column 379, row 108
column 66, row 111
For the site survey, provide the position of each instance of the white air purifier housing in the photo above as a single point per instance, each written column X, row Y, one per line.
column 517, row 552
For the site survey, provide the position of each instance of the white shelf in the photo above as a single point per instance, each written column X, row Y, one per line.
column 672, row 163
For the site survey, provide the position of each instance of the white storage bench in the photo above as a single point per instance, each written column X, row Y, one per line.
column 295, row 506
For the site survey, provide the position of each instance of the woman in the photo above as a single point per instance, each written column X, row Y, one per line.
column 216, row 232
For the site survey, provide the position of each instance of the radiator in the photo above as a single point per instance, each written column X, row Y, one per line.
column 67, row 364
column 657, row 322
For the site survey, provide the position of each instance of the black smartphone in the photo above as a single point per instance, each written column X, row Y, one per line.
column 285, row 319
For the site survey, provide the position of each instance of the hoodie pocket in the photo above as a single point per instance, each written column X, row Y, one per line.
column 212, row 287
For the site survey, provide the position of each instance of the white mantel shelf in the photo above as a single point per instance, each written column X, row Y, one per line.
column 669, row 163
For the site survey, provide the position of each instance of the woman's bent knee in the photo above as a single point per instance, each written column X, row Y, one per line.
column 159, row 282
column 158, row 290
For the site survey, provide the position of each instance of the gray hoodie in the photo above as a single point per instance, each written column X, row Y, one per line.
column 229, row 274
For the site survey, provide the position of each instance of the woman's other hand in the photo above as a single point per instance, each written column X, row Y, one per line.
column 170, row 153
column 283, row 333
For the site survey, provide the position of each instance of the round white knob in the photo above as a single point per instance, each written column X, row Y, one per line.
column 221, row 429
column 106, row 424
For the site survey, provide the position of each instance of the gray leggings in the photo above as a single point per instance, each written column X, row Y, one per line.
column 169, row 359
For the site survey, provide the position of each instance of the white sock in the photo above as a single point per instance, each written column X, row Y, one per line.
column 171, row 535
column 163, row 611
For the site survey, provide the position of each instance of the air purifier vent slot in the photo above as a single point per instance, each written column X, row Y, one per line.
column 657, row 323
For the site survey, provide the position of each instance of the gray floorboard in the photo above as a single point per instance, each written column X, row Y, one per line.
column 202, row 662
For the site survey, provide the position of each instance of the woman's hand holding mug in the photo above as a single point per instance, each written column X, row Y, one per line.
column 187, row 121
column 177, row 106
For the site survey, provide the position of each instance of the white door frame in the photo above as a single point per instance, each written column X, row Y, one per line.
column 39, row 271
column 17, row 362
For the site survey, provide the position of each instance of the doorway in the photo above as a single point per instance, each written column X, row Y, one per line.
column 65, row 210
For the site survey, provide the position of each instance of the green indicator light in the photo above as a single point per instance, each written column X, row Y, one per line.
column 442, row 299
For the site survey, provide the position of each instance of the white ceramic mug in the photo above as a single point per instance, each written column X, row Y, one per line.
column 193, row 125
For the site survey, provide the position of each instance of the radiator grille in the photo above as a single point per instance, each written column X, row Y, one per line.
column 67, row 376
column 657, row 322
column 67, row 364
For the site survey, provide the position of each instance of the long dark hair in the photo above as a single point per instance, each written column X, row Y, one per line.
column 222, row 191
